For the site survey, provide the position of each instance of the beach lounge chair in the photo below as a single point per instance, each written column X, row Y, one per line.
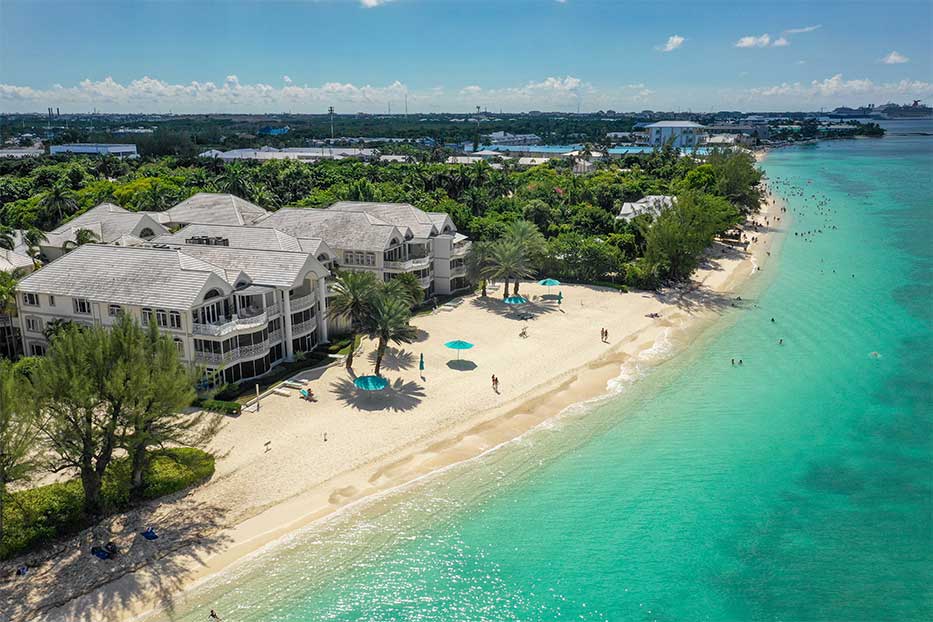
column 281, row 392
column 293, row 384
column 307, row 395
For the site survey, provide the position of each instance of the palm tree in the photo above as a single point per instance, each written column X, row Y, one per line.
column 6, row 237
column 477, row 263
column 59, row 199
column 531, row 245
column 407, row 287
column 235, row 180
column 352, row 294
column 82, row 237
column 387, row 321
column 33, row 237
column 153, row 199
column 508, row 261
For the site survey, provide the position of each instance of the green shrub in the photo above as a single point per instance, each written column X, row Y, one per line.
column 32, row 517
column 221, row 406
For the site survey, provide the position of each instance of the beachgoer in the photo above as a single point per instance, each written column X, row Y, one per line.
column 493, row 380
column 733, row 362
column 780, row 342
column 325, row 437
column 772, row 319
column 740, row 361
column 214, row 615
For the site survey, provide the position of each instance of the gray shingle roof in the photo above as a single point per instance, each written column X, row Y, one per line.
column 261, row 238
column 11, row 260
column 341, row 230
column 107, row 222
column 215, row 209
column 399, row 214
column 140, row 276
column 263, row 267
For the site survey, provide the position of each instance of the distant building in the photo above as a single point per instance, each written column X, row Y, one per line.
column 307, row 154
column 529, row 162
column 21, row 152
column 753, row 128
column 274, row 131
column 679, row 134
column 121, row 151
column 651, row 204
column 505, row 138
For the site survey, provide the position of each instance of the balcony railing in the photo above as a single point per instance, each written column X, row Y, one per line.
column 458, row 271
column 425, row 282
column 301, row 303
column 245, row 352
column 273, row 310
column 408, row 265
column 304, row 327
column 461, row 249
column 275, row 335
column 237, row 323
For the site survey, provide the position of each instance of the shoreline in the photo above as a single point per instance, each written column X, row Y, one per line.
column 468, row 437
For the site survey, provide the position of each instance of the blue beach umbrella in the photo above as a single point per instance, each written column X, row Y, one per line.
column 549, row 283
column 458, row 344
column 515, row 300
column 371, row 383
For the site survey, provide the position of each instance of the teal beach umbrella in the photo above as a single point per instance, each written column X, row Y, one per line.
column 371, row 383
column 549, row 283
column 458, row 344
column 515, row 300
column 421, row 363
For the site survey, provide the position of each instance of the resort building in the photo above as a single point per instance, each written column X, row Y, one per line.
column 213, row 209
column 234, row 312
column 505, row 138
column 384, row 238
column 651, row 204
column 118, row 150
column 106, row 223
column 679, row 134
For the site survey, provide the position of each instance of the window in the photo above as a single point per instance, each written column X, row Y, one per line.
column 31, row 299
column 146, row 233
column 146, row 316
column 82, row 305
column 114, row 310
column 51, row 301
column 161, row 317
column 33, row 325
column 174, row 319
column 36, row 349
column 180, row 346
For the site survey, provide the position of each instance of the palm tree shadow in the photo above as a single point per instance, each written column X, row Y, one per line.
column 461, row 365
column 395, row 359
column 399, row 396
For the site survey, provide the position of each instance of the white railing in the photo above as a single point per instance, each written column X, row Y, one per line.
column 425, row 282
column 458, row 250
column 407, row 265
column 458, row 271
column 301, row 303
column 217, row 330
column 304, row 327
column 273, row 310
column 245, row 352
column 275, row 335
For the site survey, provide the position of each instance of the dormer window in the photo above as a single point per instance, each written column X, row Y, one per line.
column 214, row 293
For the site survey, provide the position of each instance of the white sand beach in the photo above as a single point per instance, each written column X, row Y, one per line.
column 276, row 472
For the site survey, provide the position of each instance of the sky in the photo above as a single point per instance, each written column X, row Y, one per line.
column 301, row 56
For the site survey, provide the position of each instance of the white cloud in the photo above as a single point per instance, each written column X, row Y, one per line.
column 369, row 4
column 751, row 41
column 797, row 31
column 894, row 58
column 673, row 42
column 780, row 42
column 286, row 80
column 837, row 88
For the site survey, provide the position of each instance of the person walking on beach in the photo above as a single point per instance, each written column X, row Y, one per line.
column 493, row 380
column 214, row 615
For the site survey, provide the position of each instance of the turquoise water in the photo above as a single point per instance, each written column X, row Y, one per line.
column 795, row 487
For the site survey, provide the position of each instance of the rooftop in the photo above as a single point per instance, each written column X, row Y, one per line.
column 674, row 124
column 255, row 237
column 349, row 230
column 403, row 215
column 219, row 209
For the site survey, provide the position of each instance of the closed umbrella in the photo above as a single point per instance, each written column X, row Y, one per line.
column 458, row 345
column 421, row 363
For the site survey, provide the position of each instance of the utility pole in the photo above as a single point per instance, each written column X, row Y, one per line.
column 331, row 111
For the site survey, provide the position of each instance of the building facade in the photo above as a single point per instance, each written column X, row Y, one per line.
column 679, row 134
column 234, row 313
column 118, row 150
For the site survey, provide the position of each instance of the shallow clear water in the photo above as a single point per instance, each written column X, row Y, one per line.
column 795, row 487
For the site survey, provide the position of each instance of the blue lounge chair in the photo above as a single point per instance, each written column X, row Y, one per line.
column 150, row 534
column 99, row 553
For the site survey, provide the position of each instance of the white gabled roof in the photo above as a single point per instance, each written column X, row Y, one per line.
column 263, row 267
column 650, row 204
column 345, row 230
column 108, row 222
column 215, row 209
column 403, row 215
column 11, row 260
column 137, row 276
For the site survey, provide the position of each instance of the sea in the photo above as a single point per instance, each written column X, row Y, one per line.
column 797, row 486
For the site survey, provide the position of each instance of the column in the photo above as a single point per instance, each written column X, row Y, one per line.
column 287, row 324
column 322, row 311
